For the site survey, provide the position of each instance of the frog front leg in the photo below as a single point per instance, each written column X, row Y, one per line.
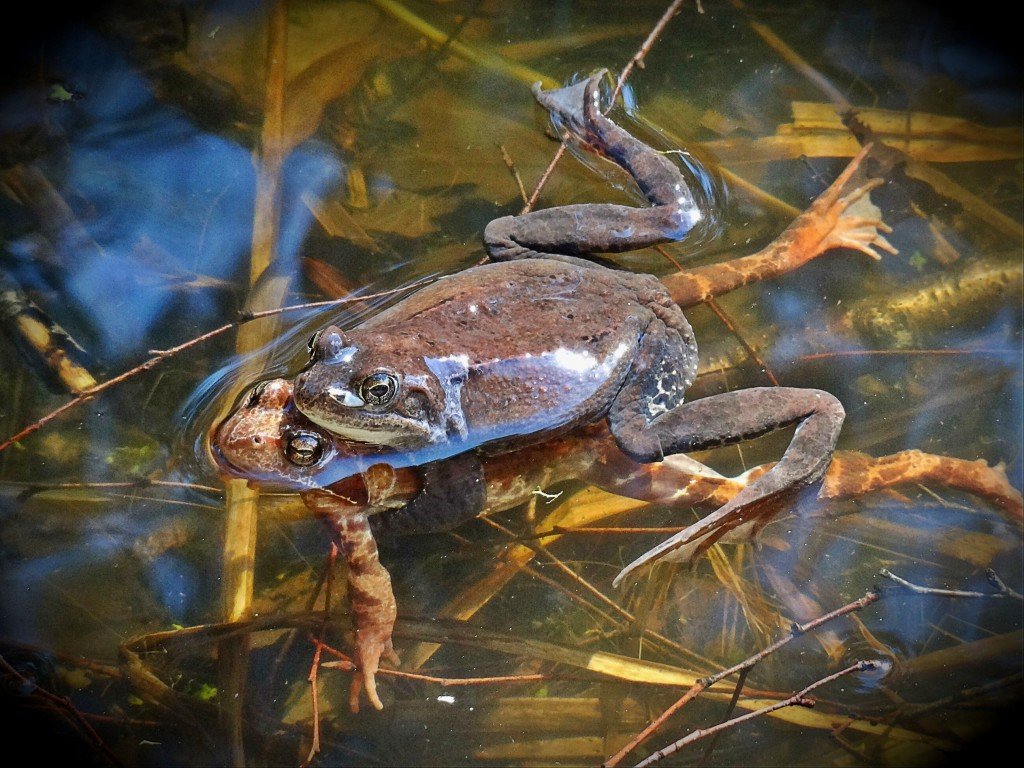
column 371, row 599
column 453, row 491
column 572, row 230
column 649, row 420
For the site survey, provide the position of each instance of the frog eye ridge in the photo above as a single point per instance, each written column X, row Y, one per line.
column 312, row 343
column 304, row 448
column 254, row 394
column 379, row 388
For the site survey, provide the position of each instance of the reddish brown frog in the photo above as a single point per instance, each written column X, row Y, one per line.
column 268, row 442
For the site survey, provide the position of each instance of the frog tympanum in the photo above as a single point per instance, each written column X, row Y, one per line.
column 540, row 345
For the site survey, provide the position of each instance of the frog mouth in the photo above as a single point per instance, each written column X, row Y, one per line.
column 360, row 435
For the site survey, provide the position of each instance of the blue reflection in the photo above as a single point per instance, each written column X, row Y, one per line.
column 175, row 584
column 160, row 197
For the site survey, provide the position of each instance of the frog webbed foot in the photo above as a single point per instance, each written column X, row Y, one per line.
column 577, row 108
column 372, row 643
column 730, row 418
column 574, row 230
column 371, row 600
column 850, row 219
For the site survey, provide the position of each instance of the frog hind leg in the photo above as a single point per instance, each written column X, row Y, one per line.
column 574, row 230
column 725, row 419
column 370, row 597
column 453, row 492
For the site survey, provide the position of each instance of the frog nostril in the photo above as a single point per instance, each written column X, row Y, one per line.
column 257, row 440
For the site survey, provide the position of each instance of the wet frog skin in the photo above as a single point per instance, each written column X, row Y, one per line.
column 543, row 341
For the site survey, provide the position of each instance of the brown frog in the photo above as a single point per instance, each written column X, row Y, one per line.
column 543, row 341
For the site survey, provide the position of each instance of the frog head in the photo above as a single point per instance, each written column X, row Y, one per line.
column 265, row 440
column 378, row 388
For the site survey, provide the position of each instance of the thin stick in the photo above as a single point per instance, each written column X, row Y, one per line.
column 741, row 679
column 645, row 47
column 160, row 355
column 319, row 644
column 515, row 173
column 1004, row 590
column 577, row 579
column 543, row 181
column 902, row 352
column 561, row 530
column 629, row 618
column 139, row 483
column 795, row 60
column 346, row 664
column 964, row 694
column 797, row 699
column 753, row 353
column 701, row 685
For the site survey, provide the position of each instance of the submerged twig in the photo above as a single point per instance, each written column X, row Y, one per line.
column 907, row 353
column 730, row 326
column 993, row 578
column 515, row 173
column 791, row 57
column 160, row 355
column 240, row 500
column 637, row 60
column 345, row 663
column 797, row 699
column 42, row 339
column 483, row 58
column 318, row 647
column 704, row 683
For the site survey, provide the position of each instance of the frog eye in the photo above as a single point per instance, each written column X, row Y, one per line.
column 379, row 388
column 304, row 448
column 313, row 341
column 253, row 397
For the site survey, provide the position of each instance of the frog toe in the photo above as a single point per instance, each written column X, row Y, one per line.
column 576, row 106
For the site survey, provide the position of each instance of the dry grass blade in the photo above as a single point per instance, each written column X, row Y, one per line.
column 239, row 552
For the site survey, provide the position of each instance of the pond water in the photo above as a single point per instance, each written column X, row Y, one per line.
column 167, row 166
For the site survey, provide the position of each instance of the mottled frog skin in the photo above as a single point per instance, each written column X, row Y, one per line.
column 513, row 352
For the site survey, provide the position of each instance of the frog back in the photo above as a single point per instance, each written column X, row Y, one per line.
column 543, row 345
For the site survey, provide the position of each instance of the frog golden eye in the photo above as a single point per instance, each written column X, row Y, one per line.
column 379, row 388
column 304, row 448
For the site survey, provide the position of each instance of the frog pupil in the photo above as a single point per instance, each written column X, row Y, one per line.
column 379, row 388
column 304, row 449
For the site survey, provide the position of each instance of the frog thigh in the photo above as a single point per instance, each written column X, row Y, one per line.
column 729, row 418
column 664, row 366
